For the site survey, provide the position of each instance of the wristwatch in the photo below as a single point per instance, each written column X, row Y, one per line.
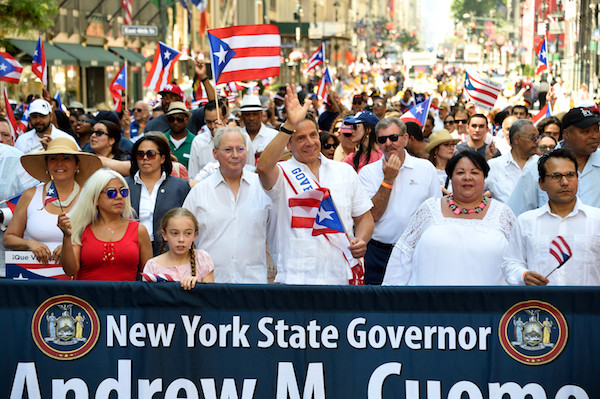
column 286, row 131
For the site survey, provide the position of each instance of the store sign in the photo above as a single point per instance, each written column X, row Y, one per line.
column 155, row 340
column 139, row 30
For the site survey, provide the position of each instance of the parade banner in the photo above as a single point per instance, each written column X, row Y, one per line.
column 80, row 340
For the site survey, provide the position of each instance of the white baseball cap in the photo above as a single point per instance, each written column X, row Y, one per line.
column 40, row 106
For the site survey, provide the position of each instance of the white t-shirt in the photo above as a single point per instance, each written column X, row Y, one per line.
column 504, row 175
column 417, row 180
column 300, row 257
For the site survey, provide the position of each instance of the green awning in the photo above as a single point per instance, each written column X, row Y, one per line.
column 90, row 55
column 54, row 55
column 132, row 56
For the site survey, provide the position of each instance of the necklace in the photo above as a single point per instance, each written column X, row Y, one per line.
column 109, row 229
column 457, row 210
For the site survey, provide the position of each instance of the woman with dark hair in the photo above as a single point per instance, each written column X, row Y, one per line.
column 83, row 128
column 551, row 125
column 458, row 239
column 329, row 143
column 104, row 140
column 64, row 123
column 364, row 138
column 153, row 190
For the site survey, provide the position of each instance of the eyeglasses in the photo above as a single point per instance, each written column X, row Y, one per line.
column 545, row 148
column 449, row 122
column 557, row 177
column 151, row 154
column 179, row 119
column 461, row 120
column 230, row 150
column 393, row 138
column 378, row 104
column 112, row 192
column 98, row 132
column 138, row 110
column 535, row 139
column 328, row 146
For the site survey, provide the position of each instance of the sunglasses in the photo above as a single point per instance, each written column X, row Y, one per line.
column 151, row 154
column 461, row 120
column 138, row 110
column 393, row 138
column 112, row 192
column 98, row 133
column 172, row 119
column 449, row 123
column 328, row 146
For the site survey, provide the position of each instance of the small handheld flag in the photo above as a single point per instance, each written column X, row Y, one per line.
column 39, row 65
column 324, row 84
column 10, row 69
column 561, row 252
column 156, row 278
column 51, row 194
column 482, row 91
column 542, row 52
column 162, row 66
column 117, row 86
column 318, row 57
column 417, row 113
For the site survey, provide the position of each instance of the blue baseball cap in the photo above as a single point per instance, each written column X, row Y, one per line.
column 362, row 117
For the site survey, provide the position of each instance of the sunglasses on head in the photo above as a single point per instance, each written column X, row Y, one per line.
column 151, row 154
column 172, row 119
column 328, row 146
column 393, row 138
column 98, row 132
column 112, row 192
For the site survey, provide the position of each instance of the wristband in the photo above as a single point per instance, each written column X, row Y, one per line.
column 524, row 273
column 286, row 131
column 204, row 80
column 384, row 184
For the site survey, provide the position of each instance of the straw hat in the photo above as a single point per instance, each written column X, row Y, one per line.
column 439, row 137
column 35, row 163
column 177, row 107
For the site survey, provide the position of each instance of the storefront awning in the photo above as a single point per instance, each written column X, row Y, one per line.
column 54, row 55
column 90, row 55
column 132, row 56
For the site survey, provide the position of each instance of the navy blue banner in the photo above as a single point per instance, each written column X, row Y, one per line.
column 144, row 340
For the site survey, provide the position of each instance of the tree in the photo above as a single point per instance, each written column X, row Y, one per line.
column 22, row 16
column 478, row 8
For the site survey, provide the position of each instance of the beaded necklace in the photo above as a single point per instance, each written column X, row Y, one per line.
column 457, row 210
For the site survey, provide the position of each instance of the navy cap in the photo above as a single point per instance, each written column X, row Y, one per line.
column 362, row 117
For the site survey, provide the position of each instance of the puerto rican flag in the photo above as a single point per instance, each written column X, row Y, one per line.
column 324, row 84
column 51, row 195
column 201, row 6
column 560, row 250
column 12, row 202
column 10, row 69
column 544, row 112
column 39, row 65
column 162, row 66
column 318, row 57
column 117, row 86
column 156, row 278
column 23, row 265
column 542, row 52
column 315, row 209
column 24, row 122
column 417, row 113
column 482, row 91
column 12, row 122
column 245, row 52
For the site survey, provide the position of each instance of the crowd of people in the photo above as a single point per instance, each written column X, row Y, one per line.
column 226, row 192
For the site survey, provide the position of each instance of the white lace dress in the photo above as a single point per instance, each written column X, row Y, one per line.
column 436, row 250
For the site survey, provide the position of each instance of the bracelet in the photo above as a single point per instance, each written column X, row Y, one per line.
column 286, row 131
column 384, row 184
column 524, row 273
column 204, row 80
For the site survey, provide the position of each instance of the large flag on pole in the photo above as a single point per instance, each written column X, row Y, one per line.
column 318, row 57
column 12, row 122
column 39, row 65
column 417, row 113
column 162, row 66
column 482, row 91
column 117, row 86
column 244, row 52
column 10, row 69
column 542, row 52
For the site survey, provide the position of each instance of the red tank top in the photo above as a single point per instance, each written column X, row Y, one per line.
column 110, row 261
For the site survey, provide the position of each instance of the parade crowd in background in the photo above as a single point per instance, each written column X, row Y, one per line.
column 273, row 183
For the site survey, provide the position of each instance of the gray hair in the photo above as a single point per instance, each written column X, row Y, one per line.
column 518, row 127
column 387, row 122
column 234, row 129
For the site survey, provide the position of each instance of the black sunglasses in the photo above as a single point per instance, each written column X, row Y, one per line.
column 98, row 132
column 172, row 119
column 138, row 110
column 461, row 120
column 448, row 122
column 328, row 146
column 393, row 138
column 112, row 192
column 151, row 154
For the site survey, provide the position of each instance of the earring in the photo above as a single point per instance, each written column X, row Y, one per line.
column 77, row 172
column 48, row 173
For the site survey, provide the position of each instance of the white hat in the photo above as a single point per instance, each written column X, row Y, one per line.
column 40, row 106
column 251, row 103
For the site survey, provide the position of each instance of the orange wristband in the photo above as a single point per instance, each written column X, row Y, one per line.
column 524, row 273
column 384, row 184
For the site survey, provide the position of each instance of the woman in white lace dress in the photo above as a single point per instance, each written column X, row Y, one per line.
column 458, row 239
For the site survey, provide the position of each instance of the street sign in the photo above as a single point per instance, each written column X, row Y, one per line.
column 139, row 30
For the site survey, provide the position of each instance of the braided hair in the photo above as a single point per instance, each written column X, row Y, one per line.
column 164, row 222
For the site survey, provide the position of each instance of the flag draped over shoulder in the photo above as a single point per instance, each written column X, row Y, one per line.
column 417, row 113
column 482, row 91
column 245, row 52
column 10, row 69
column 38, row 64
column 162, row 66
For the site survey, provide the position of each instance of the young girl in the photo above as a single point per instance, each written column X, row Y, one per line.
column 182, row 262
